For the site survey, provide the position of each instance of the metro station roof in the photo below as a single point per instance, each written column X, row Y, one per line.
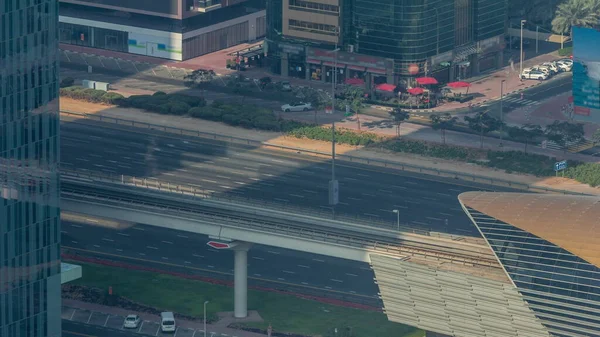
column 571, row 222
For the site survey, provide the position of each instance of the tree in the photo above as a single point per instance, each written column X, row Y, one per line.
column 442, row 122
column 565, row 133
column 483, row 123
column 526, row 133
column 572, row 13
column 399, row 116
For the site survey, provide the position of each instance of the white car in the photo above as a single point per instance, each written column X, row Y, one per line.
column 565, row 65
column 533, row 74
column 131, row 322
column 300, row 106
column 552, row 66
column 543, row 69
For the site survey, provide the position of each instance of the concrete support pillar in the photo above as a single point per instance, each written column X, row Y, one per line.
column 240, row 281
column 285, row 66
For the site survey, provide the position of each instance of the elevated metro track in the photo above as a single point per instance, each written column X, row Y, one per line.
column 221, row 219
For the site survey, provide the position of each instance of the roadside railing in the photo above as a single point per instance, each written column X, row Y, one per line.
column 326, row 234
column 197, row 192
column 441, row 173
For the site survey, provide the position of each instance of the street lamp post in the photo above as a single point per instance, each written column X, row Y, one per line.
column 205, row 303
column 537, row 39
column 333, row 184
column 501, row 111
column 521, row 55
column 397, row 218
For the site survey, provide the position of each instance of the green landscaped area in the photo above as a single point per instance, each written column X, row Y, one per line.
column 286, row 313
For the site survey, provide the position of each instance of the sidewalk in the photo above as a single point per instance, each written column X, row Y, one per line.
column 113, row 317
column 486, row 86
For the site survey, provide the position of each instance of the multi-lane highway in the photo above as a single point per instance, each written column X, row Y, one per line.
column 254, row 173
column 176, row 251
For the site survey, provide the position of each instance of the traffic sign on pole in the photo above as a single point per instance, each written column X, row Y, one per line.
column 560, row 166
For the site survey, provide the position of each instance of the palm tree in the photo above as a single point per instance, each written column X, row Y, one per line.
column 572, row 13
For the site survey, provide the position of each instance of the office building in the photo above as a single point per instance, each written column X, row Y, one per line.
column 549, row 247
column 30, row 302
column 170, row 29
column 385, row 41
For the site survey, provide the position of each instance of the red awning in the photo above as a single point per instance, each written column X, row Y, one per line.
column 313, row 61
column 459, row 84
column 386, row 87
column 376, row 71
column 426, row 80
column 354, row 81
column 357, row 68
column 415, row 91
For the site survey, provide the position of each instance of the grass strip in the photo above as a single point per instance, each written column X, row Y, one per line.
column 286, row 313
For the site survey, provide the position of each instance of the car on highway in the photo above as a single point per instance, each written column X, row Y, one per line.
column 534, row 74
column 131, row 322
column 298, row 106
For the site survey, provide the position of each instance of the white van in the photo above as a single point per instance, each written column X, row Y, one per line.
column 167, row 322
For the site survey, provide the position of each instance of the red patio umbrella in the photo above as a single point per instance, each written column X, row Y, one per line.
column 415, row 91
column 426, row 80
column 386, row 87
column 459, row 84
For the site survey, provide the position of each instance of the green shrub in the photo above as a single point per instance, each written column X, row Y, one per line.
column 179, row 108
column 587, row 173
column 565, row 51
column 521, row 162
column 67, row 82
column 159, row 93
column 90, row 95
column 192, row 101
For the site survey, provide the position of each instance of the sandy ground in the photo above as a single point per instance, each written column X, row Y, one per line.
column 278, row 139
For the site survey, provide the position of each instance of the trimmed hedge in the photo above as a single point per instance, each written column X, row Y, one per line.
column 565, row 51
column 342, row 136
column 91, row 95
column 432, row 149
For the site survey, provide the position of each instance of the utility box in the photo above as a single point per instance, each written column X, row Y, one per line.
column 101, row 86
column 87, row 84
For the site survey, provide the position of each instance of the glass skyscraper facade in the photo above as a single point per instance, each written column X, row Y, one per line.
column 562, row 288
column 453, row 38
column 30, row 302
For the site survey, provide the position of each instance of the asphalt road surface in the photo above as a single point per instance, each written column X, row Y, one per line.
column 176, row 251
column 285, row 178
column 75, row 329
column 560, row 84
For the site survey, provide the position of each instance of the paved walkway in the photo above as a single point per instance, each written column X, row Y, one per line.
column 113, row 317
column 486, row 87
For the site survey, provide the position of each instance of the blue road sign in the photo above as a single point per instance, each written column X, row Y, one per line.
column 561, row 165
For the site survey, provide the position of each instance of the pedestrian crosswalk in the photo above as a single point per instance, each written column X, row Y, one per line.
column 518, row 100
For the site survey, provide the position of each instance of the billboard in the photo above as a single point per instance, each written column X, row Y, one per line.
column 586, row 74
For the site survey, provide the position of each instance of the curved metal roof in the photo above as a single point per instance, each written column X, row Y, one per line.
column 568, row 221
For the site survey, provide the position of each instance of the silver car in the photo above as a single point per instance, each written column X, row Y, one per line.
column 293, row 107
column 131, row 322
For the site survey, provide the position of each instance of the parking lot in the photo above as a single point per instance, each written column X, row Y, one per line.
column 146, row 327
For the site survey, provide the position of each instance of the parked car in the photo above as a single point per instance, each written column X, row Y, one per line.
column 543, row 69
column 534, row 74
column 552, row 66
column 300, row 106
column 167, row 322
column 564, row 65
column 286, row 86
column 131, row 322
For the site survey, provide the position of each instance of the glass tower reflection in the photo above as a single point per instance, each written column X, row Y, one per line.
column 561, row 288
column 30, row 303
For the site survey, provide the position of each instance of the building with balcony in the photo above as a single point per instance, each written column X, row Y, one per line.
column 549, row 247
column 171, row 29
column 385, row 41
column 30, row 268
